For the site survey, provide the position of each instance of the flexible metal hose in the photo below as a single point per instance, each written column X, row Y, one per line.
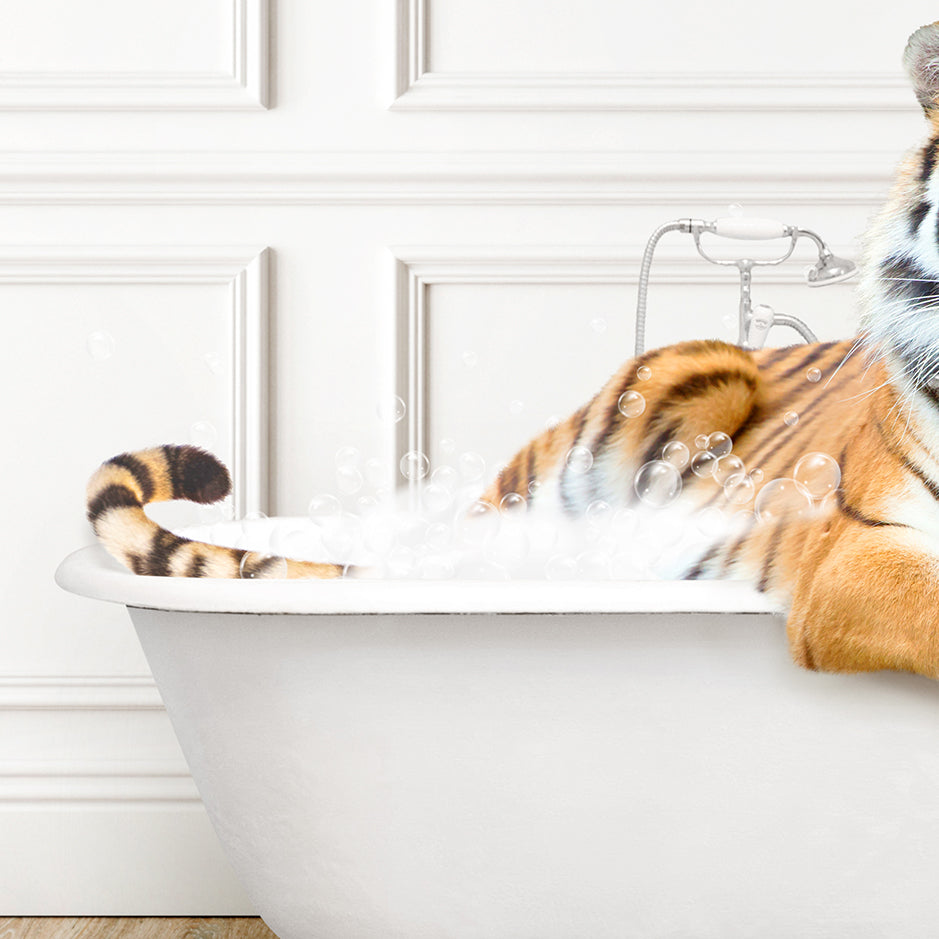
column 678, row 225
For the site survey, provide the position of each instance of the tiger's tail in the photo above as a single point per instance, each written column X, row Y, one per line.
column 123, row 485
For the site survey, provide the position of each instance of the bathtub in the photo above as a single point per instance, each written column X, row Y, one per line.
column 389, row 760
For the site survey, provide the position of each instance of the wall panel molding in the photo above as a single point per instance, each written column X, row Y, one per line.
column 243, row 87
column 245, row 273
column 418, row 88
column 438, row 178
column 79, row 693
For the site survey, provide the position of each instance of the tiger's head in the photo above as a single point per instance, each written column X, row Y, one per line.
column 900, row 274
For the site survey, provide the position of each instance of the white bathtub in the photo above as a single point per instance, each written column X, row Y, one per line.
column 543, row 760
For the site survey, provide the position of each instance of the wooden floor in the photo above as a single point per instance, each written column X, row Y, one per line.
column 126, row 927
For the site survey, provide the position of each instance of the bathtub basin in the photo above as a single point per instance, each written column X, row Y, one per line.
column 551, row 760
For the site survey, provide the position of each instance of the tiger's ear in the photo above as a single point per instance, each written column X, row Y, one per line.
column 921, row 60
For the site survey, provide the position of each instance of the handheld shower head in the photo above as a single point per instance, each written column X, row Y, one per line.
column 829, row 270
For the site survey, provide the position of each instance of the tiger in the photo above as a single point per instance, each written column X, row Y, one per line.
column 855, row 572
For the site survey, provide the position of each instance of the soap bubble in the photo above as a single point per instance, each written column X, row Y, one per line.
column 579, row 460
column 436, row 498
column 791, row 418
column 470, row 359
column 414, row 465
column 257, row 566
column 447, row 445
column 511, row 500
column 657, row 483
column 756, row 475
column 203, row 434
column 446, row 477
column 719, row 444
column 818, row 474
column 703, row 463
column 625, row 523
column 391, row 409
column 479, row 524
column 598, row 324
column 552, row 422
column 516, row 407
column 782, row 498
column 472, row 466
column 643, row 373
column 727, row 466
column 631, row 404
column 739, row 488
column 438, row 536
column 814, row 375
column 560, row 567
column 701, row 441
column 534, row 486
column 100, row 345
column 213, row 363
column 365, row 503
column 349, row 480
column 599, row 513
column 735, row 210
column 347, row 456
column 324, row 509
column 676, row 453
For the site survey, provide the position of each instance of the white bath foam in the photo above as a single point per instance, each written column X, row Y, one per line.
column 474, row 541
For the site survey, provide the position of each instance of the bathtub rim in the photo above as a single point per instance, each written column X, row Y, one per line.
column 91, row 572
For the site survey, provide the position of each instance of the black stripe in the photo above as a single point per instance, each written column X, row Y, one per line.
column 567, row 500
column 849, row 511
column 734, row 550
column 775, row 356
column 162, row 548
column 695, row 385
column 111, row 497
column 196, row 566
column 917, row 216
column 852, row 512
column 139, row 470
column 530, row 474
column 770, row 558
column 929, row 160
column 816, row 350
column 137, row 563
column 699, row 568
column 908, row 464
column 906, row 278
column 170, row 454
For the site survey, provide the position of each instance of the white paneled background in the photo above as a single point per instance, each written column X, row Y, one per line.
column 249, row 222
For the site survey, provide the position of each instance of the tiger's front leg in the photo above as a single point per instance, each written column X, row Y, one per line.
column 868, row 600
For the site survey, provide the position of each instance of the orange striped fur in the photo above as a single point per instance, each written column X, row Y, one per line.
column 859, row 574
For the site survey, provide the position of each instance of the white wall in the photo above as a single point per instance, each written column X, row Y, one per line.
column 258, row 212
